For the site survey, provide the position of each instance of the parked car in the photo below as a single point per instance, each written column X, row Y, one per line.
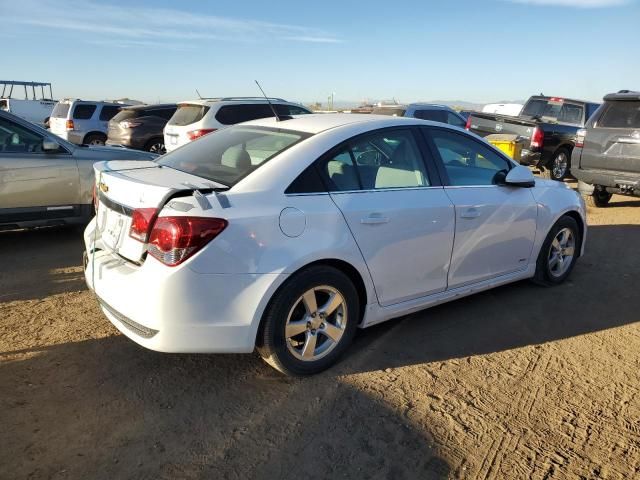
column 196, row 118
column 141, row 127
column 83, row 122
column 34, row 107
column 287, row 236
column 548, row 125
column 606, row 159
column 45, row 180
column 423, row 111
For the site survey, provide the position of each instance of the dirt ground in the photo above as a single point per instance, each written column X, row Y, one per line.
column 519, row 382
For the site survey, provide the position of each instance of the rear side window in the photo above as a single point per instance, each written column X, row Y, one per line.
column 61, row 110
column 621, row 115
column 380, row 160
column 188, row 114
column 108, row 112
column 232, row 114
column 83, row 111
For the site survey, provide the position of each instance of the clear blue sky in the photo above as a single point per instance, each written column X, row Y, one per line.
column 475, row 50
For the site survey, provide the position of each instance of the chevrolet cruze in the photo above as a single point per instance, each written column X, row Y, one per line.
column 286, row 236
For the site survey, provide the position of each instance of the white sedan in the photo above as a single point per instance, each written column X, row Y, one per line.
column 288, row 235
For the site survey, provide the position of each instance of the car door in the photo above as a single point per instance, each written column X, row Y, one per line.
column 613, row 143
column 495, row 224
column 397, row 210
column 34, row 184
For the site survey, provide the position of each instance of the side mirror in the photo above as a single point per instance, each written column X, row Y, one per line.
column 50, row 146
column 520, row 176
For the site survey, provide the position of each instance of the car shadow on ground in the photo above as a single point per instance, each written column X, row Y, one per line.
column 600, row 294
column 39, row 263
column 109, row 409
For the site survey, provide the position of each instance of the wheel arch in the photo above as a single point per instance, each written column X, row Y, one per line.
column 343, row 266
column 94, row 132
column 581, row 227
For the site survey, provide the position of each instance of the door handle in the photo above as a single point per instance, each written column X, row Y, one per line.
column 471, row 212
column 374, row 219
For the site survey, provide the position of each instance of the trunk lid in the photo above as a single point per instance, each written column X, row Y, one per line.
column 124, row 186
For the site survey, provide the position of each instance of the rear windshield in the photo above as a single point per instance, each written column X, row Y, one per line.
column 621, row 115
column 558, row 111
column 393, row 112
column 125, row 114
column 61, row 110
column 228, row 155
column 188, row 114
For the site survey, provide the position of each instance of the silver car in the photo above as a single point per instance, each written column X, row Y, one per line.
column 45, row 180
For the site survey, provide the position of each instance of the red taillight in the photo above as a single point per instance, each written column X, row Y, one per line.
column 580, row 137
column 537, row 138
column 468, row 125
column 174, row 239
column 201, row 132
column 141, row 221
column 70, row 125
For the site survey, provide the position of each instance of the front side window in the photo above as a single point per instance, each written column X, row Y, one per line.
column 17, row 139
column 621, row 115
column 83, row 111
column 467, row 161
column 380, row 160
column 228, row 155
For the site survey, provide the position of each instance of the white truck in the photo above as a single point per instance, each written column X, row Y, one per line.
column 34, row 107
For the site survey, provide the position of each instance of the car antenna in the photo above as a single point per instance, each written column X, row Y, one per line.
column 279, row 118
column 199, row 96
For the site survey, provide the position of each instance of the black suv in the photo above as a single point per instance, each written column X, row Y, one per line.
column 140, row 127
column 606, row 159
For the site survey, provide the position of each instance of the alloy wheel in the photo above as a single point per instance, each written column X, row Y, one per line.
column 158, row 148
column 316, row 323
column 561, row 252
column 560, row 165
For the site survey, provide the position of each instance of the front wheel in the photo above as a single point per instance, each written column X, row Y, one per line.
column 310, row 321
column 558, row 168
column 559, row 253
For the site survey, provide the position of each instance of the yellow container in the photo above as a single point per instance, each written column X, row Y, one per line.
column 509, row 144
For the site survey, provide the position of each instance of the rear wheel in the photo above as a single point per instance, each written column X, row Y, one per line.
column 310, row 322
column 558, row 168
column 559, row 252
column 156, row 145
column 95, row 139
column 599, row 198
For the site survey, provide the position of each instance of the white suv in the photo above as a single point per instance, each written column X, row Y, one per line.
column 83, row 122
column 195, row 118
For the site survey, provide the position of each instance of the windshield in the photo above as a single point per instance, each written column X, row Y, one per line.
column 228, row 155
column 61, row 110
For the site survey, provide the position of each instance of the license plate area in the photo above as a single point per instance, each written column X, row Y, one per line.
column 111, row 225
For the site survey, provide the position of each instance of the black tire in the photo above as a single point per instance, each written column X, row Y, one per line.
column 156, row 145
column 559, row 167
column 598, row 199
column 271, row 342
column 544, row 275
column 95, row 139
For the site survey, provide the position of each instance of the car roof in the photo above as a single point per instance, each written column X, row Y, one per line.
column 319, row 122
column 150, row 107
column 238, row 100
column 623, row 95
